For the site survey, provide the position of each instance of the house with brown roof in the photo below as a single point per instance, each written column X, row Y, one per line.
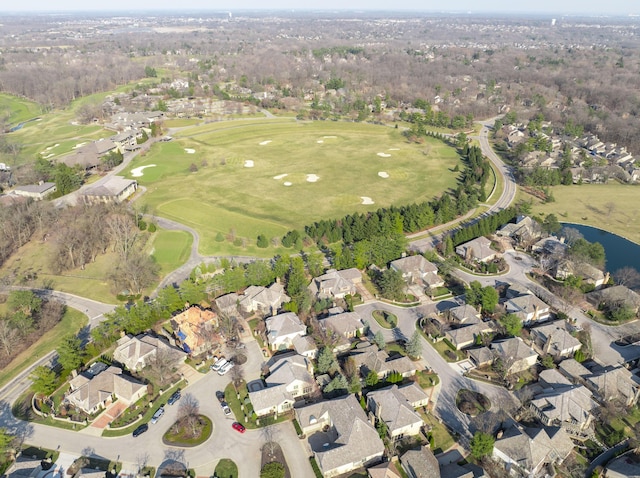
column 264, row 300
column 335, row 284
column 196, row 330
column 417, row 270
column 135, row 353
column 478, row 250
column 528, row 451
column 420, row 463
column 515, row 354
column 282, row 329
column 350, row 441
column 392, row 406
column 91, row 393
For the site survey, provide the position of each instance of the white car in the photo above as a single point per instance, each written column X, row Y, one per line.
column 226, row 368
column 156, row 416
column 221, row 362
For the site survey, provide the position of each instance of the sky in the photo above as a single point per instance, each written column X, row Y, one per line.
column 576, row 7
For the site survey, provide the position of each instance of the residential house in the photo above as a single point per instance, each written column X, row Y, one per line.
column 556, row 340
column 370, row 358
column 574, row 370
column 468, row 470
column 528, row 308
column 516, row 290
column 463, row 315
column 617, row 295
column 417, row 270
column 114, row 190
column 35, row 191
column 265, row 300
column 91, row 393
column 195, row 330
column 282, row 329
column 550, row 245
column 392, row 406
column 515, row 354
column 89, row 156
column 524, row 231
column 335, row 284
column 478, row 250
column 625, row 466
column 616, row 383
column 570, row 407
column 384, row 470
column 346, row 324
column 528, row 451
column 305, row 346
column 420, row 463
column 136, row 353
column 351, row 441
column 588, row 273
column 228, row 304
column 466, row 336
column 290, row 378
column 481, row 356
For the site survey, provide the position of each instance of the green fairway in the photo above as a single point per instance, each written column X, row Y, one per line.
column 605, row 206
column 171, row 249
column 268, row 176
column 19, row 109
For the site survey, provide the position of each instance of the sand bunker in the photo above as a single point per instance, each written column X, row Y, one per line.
column 49, row 156
column 79, row 145
column 383, row 174
column 280, row 176
column 137, row 172
column 248, row 163
column 264, row 143
column 329, row 137
column 287, row 183
column 312, row 178
column 366, row 200
column 394, row 149
column 319, row 141
column 384, row 155
column 189, row 150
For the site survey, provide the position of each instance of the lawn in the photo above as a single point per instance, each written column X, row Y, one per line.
column 170, row 249
column 385, row 319
column 442, row 439
column 226, row 468
column 21, row 109
column 244, row 178
column 71, row 323
column 605, row 206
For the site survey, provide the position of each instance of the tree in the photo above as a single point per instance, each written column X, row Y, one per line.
column 162, row 365
column 326, row 360
column 489, row 299
column 547, row 361
column 24, row 301
column 338, row 385
column 372, row 378
column 512, row 325
column 9, row 337
column 627, row 276
column 44, row 381
column 5, row 440
column 262, row 241
column 551, row 225
column 414, row 346
column 391, row 284
column 189, row 414
column 379, row 340
column 272, row 470
column 481, row 445
column 70, row 353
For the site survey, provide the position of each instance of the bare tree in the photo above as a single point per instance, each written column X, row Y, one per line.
column 269, row 434
column 189, row 414
column 123, row 234
column 142, row 459
column 628, row 277
column 9, row 337
column 162, row 365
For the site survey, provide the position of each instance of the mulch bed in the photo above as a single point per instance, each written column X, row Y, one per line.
column 277, row 455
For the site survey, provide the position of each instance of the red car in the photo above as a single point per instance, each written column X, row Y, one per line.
column 239, row 427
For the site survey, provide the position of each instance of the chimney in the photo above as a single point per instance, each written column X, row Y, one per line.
column 547, row 345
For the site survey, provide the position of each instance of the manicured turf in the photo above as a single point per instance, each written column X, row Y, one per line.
column 224, row 195
column 607, row 206
column 71, row 323
column 171, row 249
column 20, row 109
column 226, row 468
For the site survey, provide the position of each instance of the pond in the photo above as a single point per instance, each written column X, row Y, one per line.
column 620, row 252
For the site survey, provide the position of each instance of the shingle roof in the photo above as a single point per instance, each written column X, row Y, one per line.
column 421, row 463
column 284, row 324
column 344, row 324
column 393, row 408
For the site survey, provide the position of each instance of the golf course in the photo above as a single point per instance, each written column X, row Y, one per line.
column 248, row 177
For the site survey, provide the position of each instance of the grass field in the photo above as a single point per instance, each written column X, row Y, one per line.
column 71, row 323
column 606, row 206
column 256, row 176
column 170, row 249
column 20, row 109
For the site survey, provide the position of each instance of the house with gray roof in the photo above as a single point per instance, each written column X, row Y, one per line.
column 346, row 324
column 290, row 379
column 570, row 407
column 556, row 340
column 515, row 354
column 335, row 284
column 264, row 300
column 465, row 336
column 282, row 329
column 383, row 470
column 305, row 346
column 528, row 451
column 524, row 231
column 625, row 466
column 137, row 352
column 528, row 308
column 350, row 441
column 481, row 356
column 391, row 406
column 370, row 358
column 464, row 314
column 91, row 393
column 588, row 273
column 417, row 270
column 420, row 463
column 617, row 295
column 114, row 190
column 478, row 250
column 616, row 383
column 35, row 191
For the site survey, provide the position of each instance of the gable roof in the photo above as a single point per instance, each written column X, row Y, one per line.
column 465, row 313
column 112, row 187
column 413, row 264
column 616, row 294
column 513, row 348
column 464, row 335
column 421, row 463
column 479, row 248
column 614, row 383
column 555, row 338
column 335, row 282
column 567, row 404
column 344, row 324
column 95, row 391
column 133, row 352
column 393, row 408
column 527, row 304
column 284, row 324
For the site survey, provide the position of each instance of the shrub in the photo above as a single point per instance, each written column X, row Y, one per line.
column 152, row 227
column 142, row 225
column 262, row 242
column 219, row 237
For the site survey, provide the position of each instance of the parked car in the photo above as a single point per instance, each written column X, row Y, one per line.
column 221, row 362
column 156, row 416
column 140, row 430
column 226, row 409
column 174, row 397
column 226, row 368
column 238, row 427
column 220, row 396
column 241, row 345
